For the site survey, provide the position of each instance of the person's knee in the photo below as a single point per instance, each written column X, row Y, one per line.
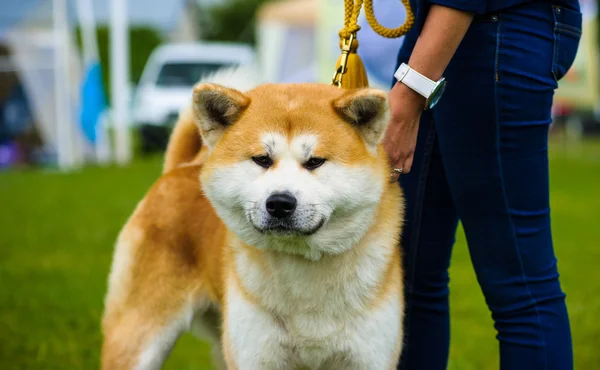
column 520, row 299
column 429, row 291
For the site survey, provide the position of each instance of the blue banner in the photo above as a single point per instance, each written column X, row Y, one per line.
column 93, row 100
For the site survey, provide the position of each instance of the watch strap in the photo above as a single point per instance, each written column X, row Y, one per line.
column 416, row 81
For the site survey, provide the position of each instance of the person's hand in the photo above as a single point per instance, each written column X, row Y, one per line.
column 400, row 139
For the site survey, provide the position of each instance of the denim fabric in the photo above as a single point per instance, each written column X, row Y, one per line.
column 482, row 158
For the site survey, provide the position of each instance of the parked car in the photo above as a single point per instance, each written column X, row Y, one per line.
column 167, row 81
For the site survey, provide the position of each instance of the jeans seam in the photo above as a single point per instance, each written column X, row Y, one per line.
column 555, row 56
column 556, row 48
column 422, row 183
column 514, row 236
column 497, row 56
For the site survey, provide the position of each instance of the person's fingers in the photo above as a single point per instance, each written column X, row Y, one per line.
column 398, row 166
column 404, row 162
column 392, row 157
column 408, row 163
column 394, row 152
column 396, row 163
column 394, row 175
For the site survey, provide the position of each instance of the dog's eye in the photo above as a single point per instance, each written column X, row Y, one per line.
column 263, row 160
column 313, row 163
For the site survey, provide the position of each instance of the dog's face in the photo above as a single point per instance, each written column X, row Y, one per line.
column 297, row 168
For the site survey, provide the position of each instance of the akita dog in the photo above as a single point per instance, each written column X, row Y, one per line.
column 280, row 245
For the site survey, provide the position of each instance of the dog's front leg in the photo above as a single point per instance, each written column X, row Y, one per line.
column 252, row 338
column 378, row 336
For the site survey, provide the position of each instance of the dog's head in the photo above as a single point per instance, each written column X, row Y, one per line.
column 296, row 168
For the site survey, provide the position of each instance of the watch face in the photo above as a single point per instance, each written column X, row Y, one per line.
column 437, row 93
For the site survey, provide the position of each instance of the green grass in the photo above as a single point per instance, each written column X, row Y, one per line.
column 57, row 232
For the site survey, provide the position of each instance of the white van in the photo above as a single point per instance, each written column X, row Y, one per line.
column 167, row 81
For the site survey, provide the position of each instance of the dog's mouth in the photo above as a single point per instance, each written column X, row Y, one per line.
column 287, row 228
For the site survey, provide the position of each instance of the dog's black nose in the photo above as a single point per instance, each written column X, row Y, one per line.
column 281, row 205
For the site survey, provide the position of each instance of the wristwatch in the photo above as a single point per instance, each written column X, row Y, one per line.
column 429, row 89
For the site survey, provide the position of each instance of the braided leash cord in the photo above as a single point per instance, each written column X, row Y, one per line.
column 349, row 43
column 352, row 11
column 391, row 33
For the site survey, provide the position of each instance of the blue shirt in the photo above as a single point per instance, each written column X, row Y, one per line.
column 420, row 9
column 491, row 6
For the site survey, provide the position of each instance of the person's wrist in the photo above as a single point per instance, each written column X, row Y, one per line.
column 406, row 94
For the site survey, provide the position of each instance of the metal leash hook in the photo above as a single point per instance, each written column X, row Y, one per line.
column 341, row 69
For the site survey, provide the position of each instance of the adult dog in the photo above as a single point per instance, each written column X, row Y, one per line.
column 280, row 245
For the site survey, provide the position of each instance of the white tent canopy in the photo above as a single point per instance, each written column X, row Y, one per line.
column 33, row 55
column 45, row 60
column 298, row 40
column 286, row 40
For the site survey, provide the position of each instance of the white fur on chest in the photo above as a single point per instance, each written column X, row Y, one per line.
column 261, row 340
column 314, row 314
column 332, row 286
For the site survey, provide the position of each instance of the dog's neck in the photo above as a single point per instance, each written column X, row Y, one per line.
column 286, row 283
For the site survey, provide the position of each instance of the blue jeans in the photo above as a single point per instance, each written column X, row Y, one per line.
column 482, row 158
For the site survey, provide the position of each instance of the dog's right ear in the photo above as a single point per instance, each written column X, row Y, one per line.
column 215, row 108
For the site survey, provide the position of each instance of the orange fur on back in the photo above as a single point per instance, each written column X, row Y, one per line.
column 185, row 143
column 174, row 245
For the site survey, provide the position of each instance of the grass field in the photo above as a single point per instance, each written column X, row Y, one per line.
column 56, row 238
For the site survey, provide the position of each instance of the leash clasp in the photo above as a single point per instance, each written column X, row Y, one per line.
column 342, row 68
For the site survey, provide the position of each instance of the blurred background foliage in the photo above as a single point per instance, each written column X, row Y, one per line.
column 231, row 20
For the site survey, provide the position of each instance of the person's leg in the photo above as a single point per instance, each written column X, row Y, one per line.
column 427, row 240
column 493, row 125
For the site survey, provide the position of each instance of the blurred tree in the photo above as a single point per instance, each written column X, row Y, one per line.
column 142, row 41
column 229, row 20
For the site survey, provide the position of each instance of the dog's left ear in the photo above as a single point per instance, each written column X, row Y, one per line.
column 368, row 110
column 216, row 108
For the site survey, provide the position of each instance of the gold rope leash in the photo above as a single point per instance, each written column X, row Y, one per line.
column 391, row 33
column 349, row 60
